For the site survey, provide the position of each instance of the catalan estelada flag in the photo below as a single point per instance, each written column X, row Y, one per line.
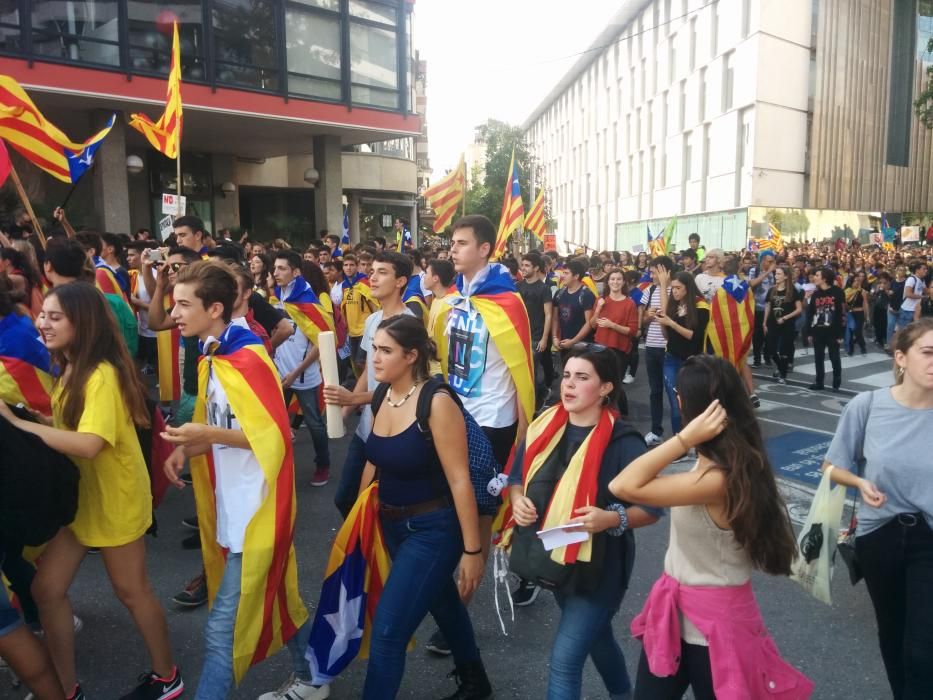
column 492, row 295
column 356, row 573
column 414, row 299
column 732, row 320
column 777, row 241
column 445, row 196
column 38, row 140
column 309, row 312
column 165, row 134
column 168, row 345
column 577, row 486
column 644, row 284
column 25, row 370
column 270, row 610
column 534, row 222
column 590, row 284
column 513, row 211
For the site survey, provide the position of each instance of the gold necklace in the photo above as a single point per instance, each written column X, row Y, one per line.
column 403, row 399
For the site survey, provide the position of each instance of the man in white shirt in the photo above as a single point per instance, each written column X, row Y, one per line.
column 297, row 362
column 712, row 276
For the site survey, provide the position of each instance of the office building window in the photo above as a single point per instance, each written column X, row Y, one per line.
column 644, row 78
column 671, row 59
column 701, row 90
column 687, row 174
column 150, row 42
column 746, row 18
column 728, row 82
column 10, row 39
column 373, row 65
column 83, row 32
column 682, row 106
column 693, row 43
column 312, row 50
column 631, row 175
column 901, row 91
column 664, row 114
column 714, row 30
column 663, row 167
column 245, row 43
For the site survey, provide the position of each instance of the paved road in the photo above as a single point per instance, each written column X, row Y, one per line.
column 834, row 646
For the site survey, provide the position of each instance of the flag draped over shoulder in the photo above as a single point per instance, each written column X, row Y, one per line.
column 504, row 314
column 577, row 486
column 168, row 345
column 732, row 320
column 445, row 196
column 165, row 134
column 413, row 294
column 25, row 370
column 590, row 284
column 535, row 222
column 357, row 570
column 311, row 313
column 643, row 285
column 513, row 211
column 270, row 610
column 361, row 282
column 39, row 141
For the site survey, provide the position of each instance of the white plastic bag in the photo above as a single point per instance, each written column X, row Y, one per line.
column 816, row 544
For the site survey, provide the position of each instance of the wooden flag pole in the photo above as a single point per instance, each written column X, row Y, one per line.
column 25, row 200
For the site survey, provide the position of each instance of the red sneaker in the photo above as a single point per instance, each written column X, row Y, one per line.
column 321, row 476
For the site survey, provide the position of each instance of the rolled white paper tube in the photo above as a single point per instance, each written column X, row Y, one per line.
column 327, row 346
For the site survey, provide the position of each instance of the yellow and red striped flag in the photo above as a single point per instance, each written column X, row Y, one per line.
column 732, row 320
column 41, row 142
column 513, row 211
column 165, row 134
column 445, row 196
column 534, row 222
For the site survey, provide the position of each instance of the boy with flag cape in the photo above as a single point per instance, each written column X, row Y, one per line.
column 357, row 303
column 25, row 372
column 244, row 483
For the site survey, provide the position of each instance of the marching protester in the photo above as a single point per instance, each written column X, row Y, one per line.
column 894, row 536
column 98, row 400
column 539, row 303
column 701, row 627
column 825, row 324
column 615, row 322
column 655, row 303
column 589, row 579
column 782, row 308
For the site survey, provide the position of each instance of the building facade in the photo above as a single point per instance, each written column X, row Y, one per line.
column 276, row 96
column 701, row 110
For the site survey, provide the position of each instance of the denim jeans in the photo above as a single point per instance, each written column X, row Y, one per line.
column 217, row 675
column 855, row 331
column 897, row 560
column 585, row 629
column 307, row 399
column 654, row 367
column 349, row 486
column 425, row 550
column 672, row 366
column 900, row 319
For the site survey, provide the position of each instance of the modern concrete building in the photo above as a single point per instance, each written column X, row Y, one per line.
column 705, row 108
column 277, row 98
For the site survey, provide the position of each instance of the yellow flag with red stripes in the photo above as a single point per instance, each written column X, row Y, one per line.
column 165, row 134
column 535, row 222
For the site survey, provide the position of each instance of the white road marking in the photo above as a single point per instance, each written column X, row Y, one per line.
column 798, row 427
column 768, row 404
column 847, row 362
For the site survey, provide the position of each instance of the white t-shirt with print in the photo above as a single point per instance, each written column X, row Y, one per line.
column 292, row 353
column 709, row 284
column 240, row 486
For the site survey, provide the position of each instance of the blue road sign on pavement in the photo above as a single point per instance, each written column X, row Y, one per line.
column 798, row 455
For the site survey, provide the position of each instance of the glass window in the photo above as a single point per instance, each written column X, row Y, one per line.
column 373, row 65
column 150, row 37
column 9, row 26
column 312, row 47
column 244, row 43
column 83, row 31
column 728, row 82
column 332, row 5
column 374, row 11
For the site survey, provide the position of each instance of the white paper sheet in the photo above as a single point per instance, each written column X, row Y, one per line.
column 561, row 535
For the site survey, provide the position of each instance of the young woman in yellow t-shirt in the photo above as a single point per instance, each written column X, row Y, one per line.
column 96, row 403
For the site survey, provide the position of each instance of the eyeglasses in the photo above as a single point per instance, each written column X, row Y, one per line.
column 175, row 267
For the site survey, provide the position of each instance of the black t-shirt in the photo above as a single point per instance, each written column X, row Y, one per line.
column 824, row 313
column 783, row 302
column 681, row 347
column 265, row 314
column 535, row 295
column 189, row 380
column 571, row 308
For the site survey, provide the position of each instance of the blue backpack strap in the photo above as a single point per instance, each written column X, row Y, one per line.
column 423, row 410
column 379, row 395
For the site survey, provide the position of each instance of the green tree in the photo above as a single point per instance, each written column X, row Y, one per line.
column 485, row 195
column 923, row 105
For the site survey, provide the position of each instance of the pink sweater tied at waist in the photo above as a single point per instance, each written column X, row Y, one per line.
column 744, row 660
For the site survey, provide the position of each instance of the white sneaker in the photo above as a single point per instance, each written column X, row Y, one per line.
column 628, row 378
column 653, row 440
column 294, row 689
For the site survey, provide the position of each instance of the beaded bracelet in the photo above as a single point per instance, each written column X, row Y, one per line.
column 623, row 520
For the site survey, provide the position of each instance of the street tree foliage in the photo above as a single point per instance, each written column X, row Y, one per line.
column 487, row 188
column 788, row 221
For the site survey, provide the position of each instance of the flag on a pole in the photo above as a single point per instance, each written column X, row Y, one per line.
column 513, row 211
column 656, row 243
column 345, row 238
column 165, row 134
column 777, row 242
column 445, row 196
column 41, row 142
column 668, row 235
column 5, row 165
column 534, row 222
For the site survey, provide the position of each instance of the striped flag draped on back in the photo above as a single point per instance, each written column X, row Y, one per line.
column 513, row 211
column 446, row 195
column 165, row 134
column 534, row 222
column 732, row 320
column 38, row 140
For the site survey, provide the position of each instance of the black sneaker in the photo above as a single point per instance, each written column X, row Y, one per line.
column 438, row 645
column 756, row 402
column 526, row 593
column 775, row 374
column 191, row 523
column 151, row 687
column 195, row 593
column 192, row 541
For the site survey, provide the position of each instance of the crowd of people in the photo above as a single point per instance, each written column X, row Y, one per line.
column 194, row 361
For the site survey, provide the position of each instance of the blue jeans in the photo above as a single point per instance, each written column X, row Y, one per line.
column 217, row 675
column 425, row 550
column 585, row 629
column 10, row 620
column 307, row 399
column 900, row 319
column 672, row 366
column 353, row 465
column 654, row 367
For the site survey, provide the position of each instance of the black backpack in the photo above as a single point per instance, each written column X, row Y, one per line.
column 38, row 487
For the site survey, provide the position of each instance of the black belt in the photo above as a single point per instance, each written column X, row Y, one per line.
column 404, row 512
